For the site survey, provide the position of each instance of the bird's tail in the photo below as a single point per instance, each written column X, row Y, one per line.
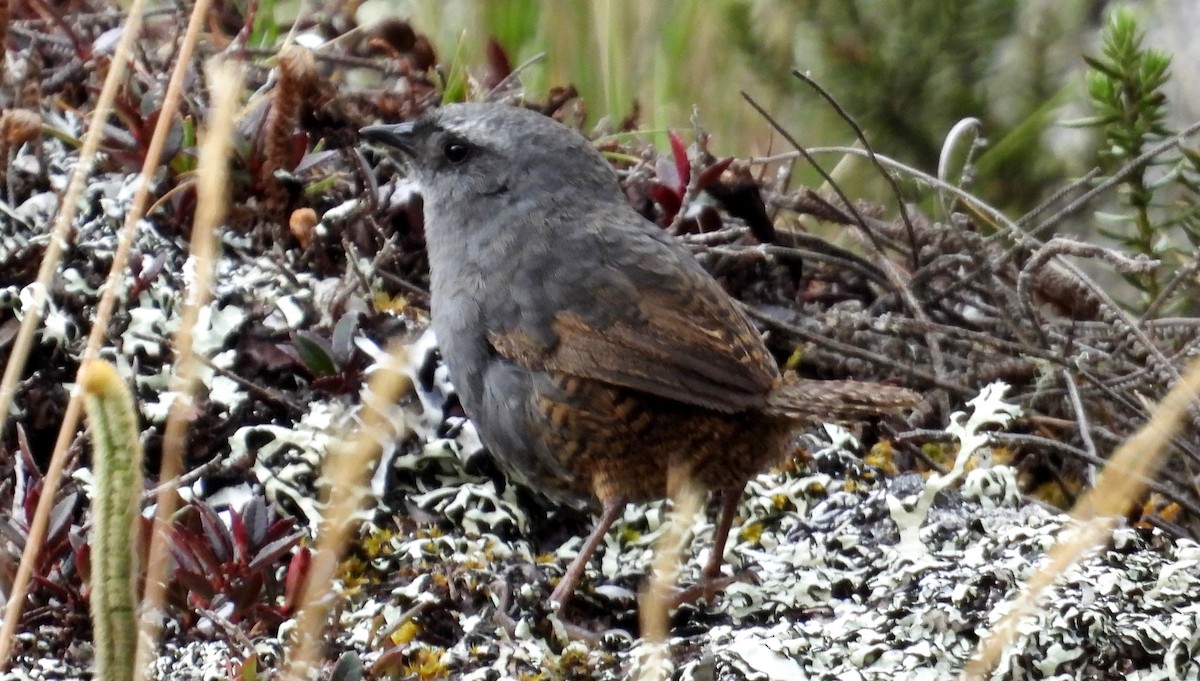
column 838, row 401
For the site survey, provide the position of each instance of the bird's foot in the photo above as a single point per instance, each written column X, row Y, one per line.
column 709, row 587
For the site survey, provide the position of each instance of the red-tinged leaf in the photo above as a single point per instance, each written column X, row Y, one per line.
column 257, row 520
column 183, row 558
column 60, row 517
column 29, row 503
column 82, row 552
column 55, row 559
column 272, row 551
column 197, row 585
column 143, row 276
column 190, row 573
column 129, row 115
column 278, row 529
column 299, row 148
column 200, row 551
column 219, row 538
column 713, row 173
column 422, row 54
column 682, row 165
column 241, row 538
column 60, row 592
column 247, row 592
column 499, row 66
column 297, row 574
column 28, row 473
column 669, row 201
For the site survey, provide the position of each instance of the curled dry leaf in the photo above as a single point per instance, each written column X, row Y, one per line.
column 303, row 224
column 18, row 126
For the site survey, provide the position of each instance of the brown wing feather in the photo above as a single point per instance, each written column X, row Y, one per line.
column 689, row 344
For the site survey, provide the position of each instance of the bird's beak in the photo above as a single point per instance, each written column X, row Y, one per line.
column 399, row 135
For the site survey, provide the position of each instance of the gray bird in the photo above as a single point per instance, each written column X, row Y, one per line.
column 595, row 355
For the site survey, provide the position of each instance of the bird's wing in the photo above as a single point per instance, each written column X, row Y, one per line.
column 653, row 321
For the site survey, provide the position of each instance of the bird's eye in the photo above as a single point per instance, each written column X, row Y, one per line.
column 456, row 152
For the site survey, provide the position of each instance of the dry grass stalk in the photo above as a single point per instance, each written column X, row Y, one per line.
column 1093, row 518
column 225, row 84
column 347, row 467
column 654, row 603
column 33, row 319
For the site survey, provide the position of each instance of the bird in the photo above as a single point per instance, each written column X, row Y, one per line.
column 599, row 361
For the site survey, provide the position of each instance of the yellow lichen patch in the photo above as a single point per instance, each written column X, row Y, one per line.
column 751, row 532
column 426, row 663
column 794, row 463
column 405, row 633
column 940, row 453
column 385, row 303
column 1002, row 456
column 573, row 663
column 793, row 360
column 353, row 574
column 378, row 544
column 1158, row 506
column 1060, row 492
column 489, row 551
column 882, row 456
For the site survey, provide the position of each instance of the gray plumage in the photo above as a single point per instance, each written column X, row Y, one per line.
column 596, row 356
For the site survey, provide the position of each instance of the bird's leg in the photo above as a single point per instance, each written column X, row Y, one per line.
column 711, row 580
column 729, row 504
column 611, row 510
